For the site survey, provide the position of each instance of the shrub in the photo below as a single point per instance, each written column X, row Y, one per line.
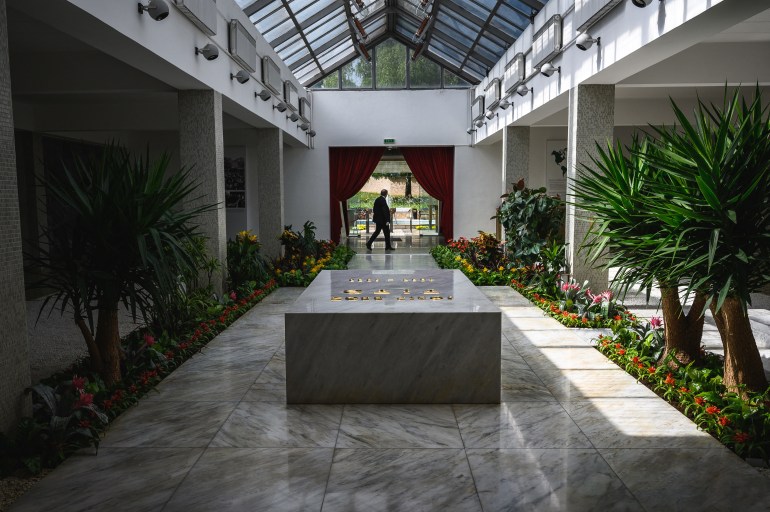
column 245, row 265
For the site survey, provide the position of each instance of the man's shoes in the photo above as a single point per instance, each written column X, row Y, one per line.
column 368, row 247
column 390, row 248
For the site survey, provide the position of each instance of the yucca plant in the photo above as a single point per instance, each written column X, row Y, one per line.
column 715, row 212
column 616, row 189
column 122, row 237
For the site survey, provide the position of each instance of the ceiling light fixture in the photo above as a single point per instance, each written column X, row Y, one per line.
column 549, row 69
column 242, row 76
column 489, row 114
column 480, row 123
column 157, row 9
column 522, row 90
column 210, row 51
column 264, row 95
column 584, row 41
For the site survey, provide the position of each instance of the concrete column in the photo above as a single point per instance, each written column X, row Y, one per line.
column 591, row 120
column 269, row 149
column 14, row 349
column 201, row 148
column 515, row 156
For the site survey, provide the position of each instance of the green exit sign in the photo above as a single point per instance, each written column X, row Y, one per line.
column 388, row 141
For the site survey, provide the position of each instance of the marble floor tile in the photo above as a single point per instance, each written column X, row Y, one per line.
column 565, row 358
column 399, row 426
column 220, row 359
column 505, row 296
column 371, row 480
column 690, row 479
column 274, row 374
column 541, row 480
column 273, row 425
column 248, row 480
column 265, row 393
column 117, row 479
column 523, row 385
column 518, row 425
column 553, row 338
column 511, row 313
column 168, row 424
column 542, row 323
column 636, row 423
column 188, row 385
column 569, row 385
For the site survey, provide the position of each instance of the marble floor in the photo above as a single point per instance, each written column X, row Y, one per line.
column 573, row 432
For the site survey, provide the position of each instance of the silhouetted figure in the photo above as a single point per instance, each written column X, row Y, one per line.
column 381, row 219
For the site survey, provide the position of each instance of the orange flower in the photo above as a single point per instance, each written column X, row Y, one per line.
column 724, row 421
column 684, row 389
column 622, row 351
column 651, row 369
column 670, row 380
column 712, row 409
column 699, row 400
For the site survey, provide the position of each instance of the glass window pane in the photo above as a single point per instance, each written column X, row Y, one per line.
column 328, row 82
column 390, row 62
column 357, row 74
column 513, row 16
column 424, row 73
column 452, row 80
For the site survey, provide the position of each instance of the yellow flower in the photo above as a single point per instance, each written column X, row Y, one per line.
column 486, row 270
column 278, row 271
column 500, row 269
column 458, row 258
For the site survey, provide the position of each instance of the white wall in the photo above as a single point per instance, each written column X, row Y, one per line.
column 413, row 118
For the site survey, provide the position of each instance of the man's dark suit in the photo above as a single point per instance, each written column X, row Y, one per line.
column 381, row 216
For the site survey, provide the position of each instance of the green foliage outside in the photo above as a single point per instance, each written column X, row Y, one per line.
column 390, row 65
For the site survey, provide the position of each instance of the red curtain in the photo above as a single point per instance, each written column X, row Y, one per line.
column 349, row 168
column 434, row 170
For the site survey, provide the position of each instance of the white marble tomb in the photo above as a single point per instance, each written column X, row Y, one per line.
column 423, row 336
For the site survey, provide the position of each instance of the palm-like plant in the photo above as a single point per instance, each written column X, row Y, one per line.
column 122, row 239
column 715, row 211
column 616, row 190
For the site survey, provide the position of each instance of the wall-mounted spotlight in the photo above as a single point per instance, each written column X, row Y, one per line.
column 294, row 117
column 264, row 95
column 522, row 90
column 470, row 130
column 642, row 3
column 584, row 41
column 479, row 123
column 549, row 69
column 281, row 107
column 242, row 76
column 489, row 114
column 157, row 9
column 311, row 133
column 505, row 103
column 210, row 51
column 304, row 127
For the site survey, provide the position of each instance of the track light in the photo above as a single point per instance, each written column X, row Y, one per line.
column 549, row 69
column 242, row 76
column 479, row 123
column 281, row 107
column 157, row 9
column 294, row 117
column 264, row 95
column 522, row 90
column 641, row 3
column 584, row 41
column 210, row 51
column 470, row 130
column 304, row 127
column 311, row 133
column 505, row 103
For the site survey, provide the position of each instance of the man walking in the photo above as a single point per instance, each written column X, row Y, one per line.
column 381, row 221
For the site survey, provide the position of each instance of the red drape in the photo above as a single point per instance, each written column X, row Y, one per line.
column 349, row 168
column 434, row 170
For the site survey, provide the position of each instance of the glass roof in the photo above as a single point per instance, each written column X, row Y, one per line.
column 316, row 37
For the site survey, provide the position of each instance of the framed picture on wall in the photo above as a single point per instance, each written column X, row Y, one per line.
column 556, row 167
column 235, row 177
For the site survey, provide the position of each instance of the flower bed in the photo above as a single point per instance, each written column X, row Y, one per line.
column 742, row 423
column 72, row 408
column 304, row 256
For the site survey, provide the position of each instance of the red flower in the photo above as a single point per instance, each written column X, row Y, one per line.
column 169, row 354
column 149, row 339
column 640, row 365
column 699, row 400
column 618, row 345
column 724, row 421
column 741, row 437
column 670, row 380
column 132, row 389
column 651, row 369
column 622, row 351
column 107, row 405
column 233, row 296
column 635, row 360
column 712, row 409
column 84, row 424
column 616, row 318
column 684, row 389
column 78, row 382
column 85, row 399
column 585, row 320
column 605, row 343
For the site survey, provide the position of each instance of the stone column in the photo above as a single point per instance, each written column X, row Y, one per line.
column 269, row 148
column 201, row 148
column 14, row 349
column 515, row 156
column 591, row 120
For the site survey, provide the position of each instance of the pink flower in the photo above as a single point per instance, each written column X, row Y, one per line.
column 656, row 322
column 233, row 296
column 84, row 400
column 78, row 382
column 606, row 295
column 149, row 339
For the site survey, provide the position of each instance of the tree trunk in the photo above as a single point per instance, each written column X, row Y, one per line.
column 108, row 342
column 743, row 364
column 683, row 332
column 93, row 350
